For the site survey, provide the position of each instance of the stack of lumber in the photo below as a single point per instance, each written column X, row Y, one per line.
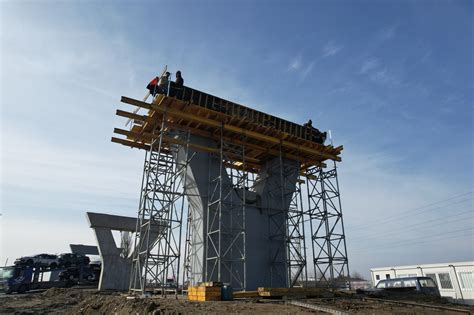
column 206, row 291
column 278, row 292
column 245, row 294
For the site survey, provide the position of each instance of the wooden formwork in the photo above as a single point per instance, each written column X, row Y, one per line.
column 261, row 142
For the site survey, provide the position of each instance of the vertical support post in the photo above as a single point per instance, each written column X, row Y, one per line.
column 188, row 238
column 296, row 245
column 244, row 186
column 278, row 222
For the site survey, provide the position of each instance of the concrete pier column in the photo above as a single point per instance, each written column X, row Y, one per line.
column 265, row 214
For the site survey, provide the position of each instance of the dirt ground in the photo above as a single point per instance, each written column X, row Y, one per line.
column 80, row 301
column 89, row 301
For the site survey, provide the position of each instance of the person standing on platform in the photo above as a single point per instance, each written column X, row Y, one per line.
column 313, row 134
column 179, row 80
column 164, row 82
column 177, row 86
column 153, row 86
column 308, row 130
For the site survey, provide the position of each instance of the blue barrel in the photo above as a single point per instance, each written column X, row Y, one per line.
column 227, row 292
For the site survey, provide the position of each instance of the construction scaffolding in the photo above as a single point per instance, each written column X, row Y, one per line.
column 226, row 216
column 156, row 259
column 253, row 168
column 296, row 256
column 324, row 210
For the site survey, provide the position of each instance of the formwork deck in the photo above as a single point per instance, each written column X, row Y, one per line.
column 261, row 142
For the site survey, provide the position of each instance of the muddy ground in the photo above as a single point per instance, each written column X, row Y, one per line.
column 89, row 301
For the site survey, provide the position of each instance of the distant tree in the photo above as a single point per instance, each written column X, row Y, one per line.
column 357, row 276
column 125, row 243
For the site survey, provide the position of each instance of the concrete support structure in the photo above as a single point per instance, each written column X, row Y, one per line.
column 239, row 173
column 265, row 207
column 115, row 273
column 84, row 249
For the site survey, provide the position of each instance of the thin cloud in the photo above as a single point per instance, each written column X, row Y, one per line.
column 369, row 65
column 384, row 76
column 307, row 70
column 331, row 49
column 388, row 32
column 376, row 72
column 295, row 63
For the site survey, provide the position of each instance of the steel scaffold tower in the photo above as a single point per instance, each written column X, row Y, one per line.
column 157, row 248
column 296, row 252
column 225, row 232
column 327, row 228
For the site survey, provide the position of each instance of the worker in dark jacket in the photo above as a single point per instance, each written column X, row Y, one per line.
column 314, row 134
column 179, row 79
column 309, row 130
column 177, row 86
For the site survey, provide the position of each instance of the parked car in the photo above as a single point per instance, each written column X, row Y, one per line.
column 43, row 260
column 69, row 259
column 96, row 267
column 423, row 285
column 73, row 273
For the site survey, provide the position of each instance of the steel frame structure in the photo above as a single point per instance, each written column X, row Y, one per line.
column 161, row 208
column 162, row 205
column 324, row 213
column 225, row 228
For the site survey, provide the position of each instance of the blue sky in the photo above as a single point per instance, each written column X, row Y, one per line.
column 392, row 80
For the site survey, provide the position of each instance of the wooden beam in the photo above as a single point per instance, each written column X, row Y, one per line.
column 146, row 136
column 131, row 143
column 125, row 114
column 261, row 149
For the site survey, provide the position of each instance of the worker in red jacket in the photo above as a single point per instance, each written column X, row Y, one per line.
column 158, row 85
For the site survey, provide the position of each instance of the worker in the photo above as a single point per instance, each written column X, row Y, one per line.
column 179, row 80
column 158, row 85
column 176, row 89
column 164, row 82
column 314, row 134
column 153, row 86
column 308, row 130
